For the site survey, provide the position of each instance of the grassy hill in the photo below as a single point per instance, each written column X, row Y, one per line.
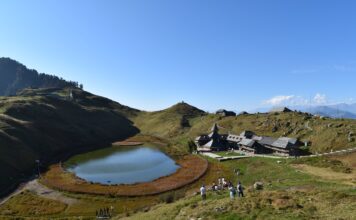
column 170, row 122
column 290, row 191
column 322, row 134
column 46, row 124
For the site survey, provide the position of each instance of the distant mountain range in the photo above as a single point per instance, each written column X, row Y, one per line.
column 342, row 110
column 16, row 76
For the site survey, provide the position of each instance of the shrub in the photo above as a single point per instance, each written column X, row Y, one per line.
column 167, row 198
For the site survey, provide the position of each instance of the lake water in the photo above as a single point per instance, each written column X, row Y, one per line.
column 122, row 165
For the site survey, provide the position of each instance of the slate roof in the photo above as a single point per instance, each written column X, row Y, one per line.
column 232, row 137
column 284, row 142
column 214, row 128
column 247, row 142
column 212, row 144
column 267, row 140
column 201, row 137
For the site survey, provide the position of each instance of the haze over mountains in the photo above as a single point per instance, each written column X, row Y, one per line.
column 342, row 110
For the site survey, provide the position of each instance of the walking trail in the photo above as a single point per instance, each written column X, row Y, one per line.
column 42, row 191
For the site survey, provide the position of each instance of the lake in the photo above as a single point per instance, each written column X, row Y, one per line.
column 122, row 165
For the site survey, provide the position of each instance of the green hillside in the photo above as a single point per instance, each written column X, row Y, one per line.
column 168, row 123
column 47, row 124
column 51, row 124
column 322, row 134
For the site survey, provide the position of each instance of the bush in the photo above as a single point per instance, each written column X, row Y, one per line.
column 192, row 147
column 171, row 197
column 167, row 198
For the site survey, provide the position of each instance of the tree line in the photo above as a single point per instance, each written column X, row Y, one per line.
column 14, row 77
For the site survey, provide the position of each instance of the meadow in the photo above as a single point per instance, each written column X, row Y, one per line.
column 288, row 193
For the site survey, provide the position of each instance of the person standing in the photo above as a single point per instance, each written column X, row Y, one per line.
column 203, row 192
column 232, row 191
column 240, row 190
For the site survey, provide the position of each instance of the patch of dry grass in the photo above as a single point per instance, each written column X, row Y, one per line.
column 29, row 204
column 328, row 174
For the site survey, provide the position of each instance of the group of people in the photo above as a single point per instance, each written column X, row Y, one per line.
column 222, row 185
column 104, row 213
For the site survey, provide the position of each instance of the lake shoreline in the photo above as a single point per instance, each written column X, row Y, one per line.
column 192, row 169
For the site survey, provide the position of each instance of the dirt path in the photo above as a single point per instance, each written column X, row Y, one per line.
column 42, row 191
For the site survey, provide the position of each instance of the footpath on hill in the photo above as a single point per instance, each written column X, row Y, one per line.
column 223, row 158
column 40, row 190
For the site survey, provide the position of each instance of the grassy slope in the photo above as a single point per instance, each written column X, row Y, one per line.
column 323, row 134
column 34, row 126
column 287, row 194
column 167, row 123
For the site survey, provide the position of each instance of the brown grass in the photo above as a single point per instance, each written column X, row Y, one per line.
column 27, row 203
column 127, row 143
column 328, row 174
column 348, row 159
column 141, row 139
column 192, row 168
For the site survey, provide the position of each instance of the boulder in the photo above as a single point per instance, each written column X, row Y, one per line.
column 258, row 185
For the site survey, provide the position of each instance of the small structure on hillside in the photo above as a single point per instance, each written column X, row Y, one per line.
column 225, row 113
column 211, row 142
column 243, row 113
column 280, row 110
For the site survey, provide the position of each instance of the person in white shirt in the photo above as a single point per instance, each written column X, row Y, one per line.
column 203, row 192
column 232, row 191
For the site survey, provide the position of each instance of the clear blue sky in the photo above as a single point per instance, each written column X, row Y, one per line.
column 213, row 54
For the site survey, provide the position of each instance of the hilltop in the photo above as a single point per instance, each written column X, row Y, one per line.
column 170, row 122
column 49, row 125
column 16, row 76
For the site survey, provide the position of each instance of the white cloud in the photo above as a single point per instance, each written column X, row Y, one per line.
column 319, row 99
column 294, row 100
column 278, row 100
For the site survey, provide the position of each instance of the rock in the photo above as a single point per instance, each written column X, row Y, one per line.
column 258, row 185
column 220, row 209
column 350, row 136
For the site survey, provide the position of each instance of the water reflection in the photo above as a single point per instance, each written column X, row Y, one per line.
column 122, row 165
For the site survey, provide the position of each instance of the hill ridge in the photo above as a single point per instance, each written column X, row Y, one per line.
column 15, row 76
